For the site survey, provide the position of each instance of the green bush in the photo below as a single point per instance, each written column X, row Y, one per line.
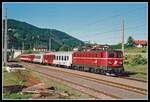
column 29, row 51
column 143, row 51
column 138, row 59
column 135, row 60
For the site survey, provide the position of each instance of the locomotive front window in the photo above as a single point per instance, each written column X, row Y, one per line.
column 119, row 55
column 111, row 55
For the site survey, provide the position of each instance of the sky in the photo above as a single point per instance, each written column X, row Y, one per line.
column 95, row 22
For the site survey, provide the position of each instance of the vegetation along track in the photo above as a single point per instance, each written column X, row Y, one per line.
column 100, row 81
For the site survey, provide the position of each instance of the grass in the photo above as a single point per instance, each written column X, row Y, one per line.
column 138, row 71
column 14, row 79
column 73, row 94
column 145, row 55
column 19, row 78
column 16, row 96
column 135, row 50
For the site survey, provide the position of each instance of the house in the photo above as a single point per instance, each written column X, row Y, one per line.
column 40, row 48
column 140, row 43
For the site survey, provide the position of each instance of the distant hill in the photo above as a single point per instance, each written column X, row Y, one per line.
column 24, row 34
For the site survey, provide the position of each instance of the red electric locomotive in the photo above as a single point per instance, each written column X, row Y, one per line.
column 104, row 62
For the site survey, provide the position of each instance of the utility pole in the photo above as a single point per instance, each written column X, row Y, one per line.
column 2, row 40
column 23, row 46
column 49, row 42
column 123, row 36
column 5, row 40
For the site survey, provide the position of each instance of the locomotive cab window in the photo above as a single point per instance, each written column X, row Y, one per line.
column 119, row 54
column 111, row 55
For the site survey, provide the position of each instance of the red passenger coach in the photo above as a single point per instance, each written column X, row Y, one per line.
column 48, row 58
column 27, row 57
column 99, row 62
column 31, row 57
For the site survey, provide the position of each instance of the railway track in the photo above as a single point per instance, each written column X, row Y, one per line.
column 134, row 79
column 95, row 93
column 99, row 81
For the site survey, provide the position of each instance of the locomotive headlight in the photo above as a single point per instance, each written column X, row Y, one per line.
column 109, row 62
column 120, row 63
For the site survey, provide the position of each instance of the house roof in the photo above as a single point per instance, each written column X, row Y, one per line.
column 142, row 42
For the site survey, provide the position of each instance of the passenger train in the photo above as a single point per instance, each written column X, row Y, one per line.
column 103, row 62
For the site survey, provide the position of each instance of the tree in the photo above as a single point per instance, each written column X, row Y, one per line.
column 117, row 46
column 64, row 48
column 130, row 41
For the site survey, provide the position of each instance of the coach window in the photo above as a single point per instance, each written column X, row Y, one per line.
column 67, row 57
column 38, row 57
column 62, row 57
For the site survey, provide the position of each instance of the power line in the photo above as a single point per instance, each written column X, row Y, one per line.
column 118, row 30
column 113, row 16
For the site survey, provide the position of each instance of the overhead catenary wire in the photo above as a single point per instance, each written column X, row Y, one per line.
column 117, row 15
column 111, row 17
column 112, row 30
column 115, row 36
